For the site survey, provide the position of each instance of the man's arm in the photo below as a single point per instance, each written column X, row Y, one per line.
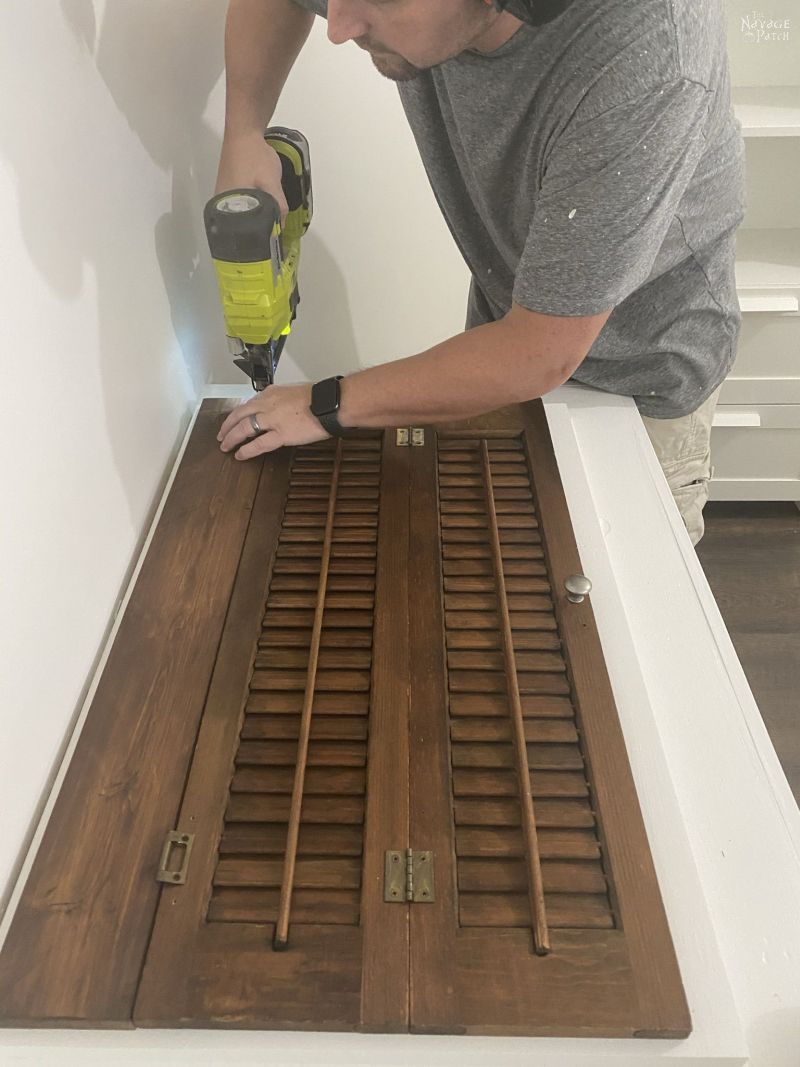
column 523, row 356
column 517, row 358
column 263, row 39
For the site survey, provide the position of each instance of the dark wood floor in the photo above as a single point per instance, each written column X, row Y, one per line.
column 751, row 557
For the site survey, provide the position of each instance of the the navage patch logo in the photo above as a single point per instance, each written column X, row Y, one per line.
column 760, row 28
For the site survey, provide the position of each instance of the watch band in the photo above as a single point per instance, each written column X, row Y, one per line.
column 325, row 400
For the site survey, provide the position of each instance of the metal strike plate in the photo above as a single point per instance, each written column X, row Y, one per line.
column 417, row 436
column 402, row 436
column 183, row 843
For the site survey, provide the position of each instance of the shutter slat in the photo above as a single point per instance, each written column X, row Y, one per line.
column 290, row 703
column 253, row 807
column 320, row 753
column 493, row 661
column 484, row 620
column 324, row 781
column 509, row 876
column 331, row 638
column 524, row 640
column 329, row 659
column 519, row 567
column 494, row 682
column 552, row 757
column 336, row 583
column 544, row 706
column 503, row 783
column 499, row 729
column 297, row 600
column 308, row 873
column 315, row 839
column 275, row 619
column 248, row 905
column 486, row 585
column 323, row 727
column 326, row 681
column 556, row 814
column 500, row 841
column 564, row 911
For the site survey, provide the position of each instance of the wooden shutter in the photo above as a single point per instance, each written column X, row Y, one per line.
column 281, row 922
column 548, row 918
column 345, row 649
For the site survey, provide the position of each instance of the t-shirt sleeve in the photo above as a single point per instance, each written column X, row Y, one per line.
column 609, row 195
column 318, row 7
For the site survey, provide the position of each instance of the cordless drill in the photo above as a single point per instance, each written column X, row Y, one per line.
column 256, row 260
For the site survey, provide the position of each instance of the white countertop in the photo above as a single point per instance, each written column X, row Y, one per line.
column 723, row 826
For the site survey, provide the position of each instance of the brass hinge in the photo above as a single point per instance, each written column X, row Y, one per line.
column 411, row 435
column 183, row 844
column 408, row 876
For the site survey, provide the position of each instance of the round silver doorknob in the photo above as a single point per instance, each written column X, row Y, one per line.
column 577, row 586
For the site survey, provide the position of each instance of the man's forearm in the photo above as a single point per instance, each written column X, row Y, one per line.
column 262, row 40
column 477, row 371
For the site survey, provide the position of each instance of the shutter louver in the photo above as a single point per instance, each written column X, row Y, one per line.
column 512, row 720
column 316, row 642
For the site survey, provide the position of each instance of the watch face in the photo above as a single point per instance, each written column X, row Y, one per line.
column 325, row 396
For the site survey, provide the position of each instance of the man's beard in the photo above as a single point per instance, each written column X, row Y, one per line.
column 395, row 68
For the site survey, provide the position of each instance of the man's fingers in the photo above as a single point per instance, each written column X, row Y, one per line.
column 241, row 432
column 253, row 406
column 267, row 442
column 233, row 419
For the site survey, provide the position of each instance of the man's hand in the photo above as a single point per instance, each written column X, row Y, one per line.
column 248, row 162
column 282, row 412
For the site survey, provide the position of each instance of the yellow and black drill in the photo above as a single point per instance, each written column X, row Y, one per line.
column 256, row 261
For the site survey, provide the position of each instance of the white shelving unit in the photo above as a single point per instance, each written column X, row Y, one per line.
column 755, row 441
column 768, row 110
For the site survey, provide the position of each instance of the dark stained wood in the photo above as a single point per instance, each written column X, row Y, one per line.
column 300, row 749
column 76, row 946
column 474, row 968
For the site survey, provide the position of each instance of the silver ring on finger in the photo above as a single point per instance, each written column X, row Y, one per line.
column 254, row 423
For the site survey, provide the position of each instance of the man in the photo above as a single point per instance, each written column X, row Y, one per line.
column 587, row 161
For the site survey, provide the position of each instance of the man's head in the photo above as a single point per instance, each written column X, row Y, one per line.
column 405, row 37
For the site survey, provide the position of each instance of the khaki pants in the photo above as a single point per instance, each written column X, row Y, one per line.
column 683, row 447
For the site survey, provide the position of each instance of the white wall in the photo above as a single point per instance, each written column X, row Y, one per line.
column 105, row 339
column 109, row 140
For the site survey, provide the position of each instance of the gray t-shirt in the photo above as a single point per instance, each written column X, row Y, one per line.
column 594, row 162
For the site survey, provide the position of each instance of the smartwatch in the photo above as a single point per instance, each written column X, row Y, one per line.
column 325, row 399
